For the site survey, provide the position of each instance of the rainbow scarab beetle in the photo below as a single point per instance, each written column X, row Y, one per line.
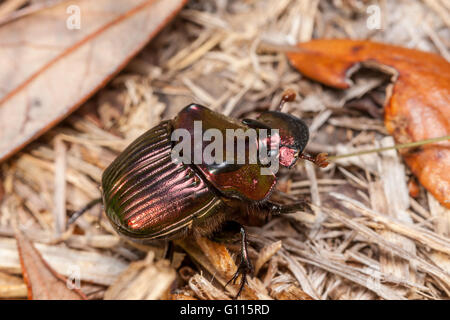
column 149, row 196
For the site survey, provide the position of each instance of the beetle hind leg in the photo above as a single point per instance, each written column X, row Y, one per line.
column 80, row 212
column 245, row 265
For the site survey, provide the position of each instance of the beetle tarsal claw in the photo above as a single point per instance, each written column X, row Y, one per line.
column 80, row 212
column 245, row 266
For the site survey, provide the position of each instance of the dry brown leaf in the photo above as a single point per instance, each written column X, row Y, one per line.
column 14, row 9
column 42, row 281
column 94, row 267
column 61, row 67
column 418, row 105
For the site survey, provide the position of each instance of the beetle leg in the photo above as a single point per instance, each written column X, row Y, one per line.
column 245, row 266
column 80, row 212
column 169, row 251
column 278, row 209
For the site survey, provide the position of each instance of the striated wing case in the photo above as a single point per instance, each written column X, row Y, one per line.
column 148, row 196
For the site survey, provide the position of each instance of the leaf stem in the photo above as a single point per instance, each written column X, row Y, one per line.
column 397, row 146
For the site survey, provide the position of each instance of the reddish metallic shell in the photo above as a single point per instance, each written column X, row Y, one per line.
column 146, row 195
column 149, row 196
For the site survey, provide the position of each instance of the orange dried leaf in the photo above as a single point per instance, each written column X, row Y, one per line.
column 42, row 281
column 48, row 67
column 418, row 105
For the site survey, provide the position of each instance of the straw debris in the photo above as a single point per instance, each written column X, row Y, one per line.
column 364, row 237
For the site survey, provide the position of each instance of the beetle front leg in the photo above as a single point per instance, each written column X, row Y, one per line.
column 245, row 265
column 277, row 209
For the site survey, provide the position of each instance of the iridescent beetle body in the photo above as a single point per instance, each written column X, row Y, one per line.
column 148, row 196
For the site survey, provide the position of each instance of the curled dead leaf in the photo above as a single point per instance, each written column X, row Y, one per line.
column 49, row 69
column 42, row 281
column 417, row 106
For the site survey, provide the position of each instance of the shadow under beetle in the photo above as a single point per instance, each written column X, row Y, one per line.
column 148, row 196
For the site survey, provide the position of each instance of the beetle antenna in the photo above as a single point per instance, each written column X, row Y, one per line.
column 321, row 160
column 288, row 96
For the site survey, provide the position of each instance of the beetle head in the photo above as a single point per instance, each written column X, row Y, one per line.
column 293, row 135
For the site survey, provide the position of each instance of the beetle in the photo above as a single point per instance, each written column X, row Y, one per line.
column 149, row 196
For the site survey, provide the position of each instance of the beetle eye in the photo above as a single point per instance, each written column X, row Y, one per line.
column 288, row 156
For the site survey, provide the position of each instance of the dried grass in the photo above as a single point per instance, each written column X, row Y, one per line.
column 365, row 237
